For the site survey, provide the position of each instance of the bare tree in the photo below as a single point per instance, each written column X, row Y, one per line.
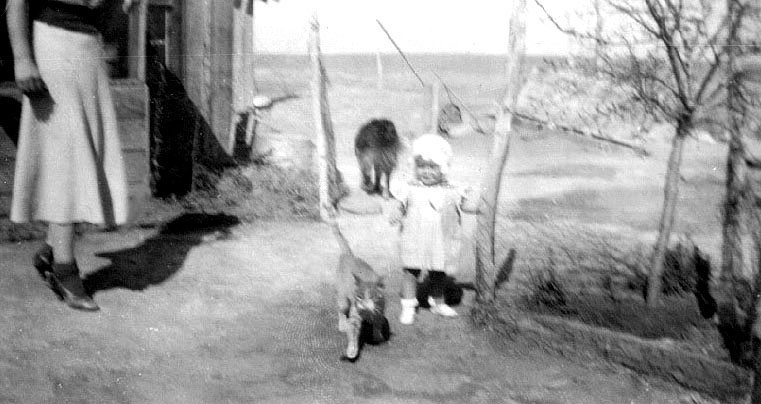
column 688, row 37
column 488, row 274
column 674, row 66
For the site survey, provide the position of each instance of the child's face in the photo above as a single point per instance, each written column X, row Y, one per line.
column 428, row 172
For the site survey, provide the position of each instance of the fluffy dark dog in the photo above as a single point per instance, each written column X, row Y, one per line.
column 376, row 147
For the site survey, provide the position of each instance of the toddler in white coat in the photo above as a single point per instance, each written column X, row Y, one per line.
column 429, row 212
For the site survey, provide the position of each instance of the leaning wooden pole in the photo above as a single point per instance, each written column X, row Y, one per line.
column 435, row 105
column 741, row 215
column 732, row 223
column 379, row 70
column 487, row 270
column 325, row 138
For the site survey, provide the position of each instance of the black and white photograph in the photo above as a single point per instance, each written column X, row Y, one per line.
column 380, row 202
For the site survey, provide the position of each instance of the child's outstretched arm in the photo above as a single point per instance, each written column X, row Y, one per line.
column 396, row 213
column 471, row 198
column 397, row 207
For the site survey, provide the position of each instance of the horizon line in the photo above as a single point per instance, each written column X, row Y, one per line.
column 410, row 53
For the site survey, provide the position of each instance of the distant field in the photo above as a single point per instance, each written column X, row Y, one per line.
column 476, row 79
column 551, row 177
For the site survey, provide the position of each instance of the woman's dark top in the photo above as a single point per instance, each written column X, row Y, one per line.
column 67, row 16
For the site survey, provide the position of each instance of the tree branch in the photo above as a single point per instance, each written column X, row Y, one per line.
column 635, row 15
column 665, row 36
column 567, row 128
column 714, row 67
column 570, row 31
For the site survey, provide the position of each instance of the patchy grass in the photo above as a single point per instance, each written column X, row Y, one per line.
column 676, row 322
column 677, row 319
column 14, row 232
column 598, row 279
column 255, row 191
column 247, row 192
column 262, row 191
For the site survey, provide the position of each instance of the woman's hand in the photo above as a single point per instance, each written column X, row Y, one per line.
column 28, row 78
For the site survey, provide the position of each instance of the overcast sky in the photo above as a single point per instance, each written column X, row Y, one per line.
column 453, row 26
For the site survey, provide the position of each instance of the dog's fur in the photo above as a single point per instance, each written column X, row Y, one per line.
column 376, row 147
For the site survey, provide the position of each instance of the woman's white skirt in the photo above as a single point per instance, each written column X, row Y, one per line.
column 69, row 165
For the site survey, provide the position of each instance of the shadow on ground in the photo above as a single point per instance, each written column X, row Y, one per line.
column 158, row 258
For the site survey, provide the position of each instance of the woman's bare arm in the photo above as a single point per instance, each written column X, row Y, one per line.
column 27, row 75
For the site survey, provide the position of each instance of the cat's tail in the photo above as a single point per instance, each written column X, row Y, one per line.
column 331, row 220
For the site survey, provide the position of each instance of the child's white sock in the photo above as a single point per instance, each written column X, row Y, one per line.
column 409, row 306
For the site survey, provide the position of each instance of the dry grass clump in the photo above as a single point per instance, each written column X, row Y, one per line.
column 257, row 191
column 598, row 278
column 591, row 257
column 14, row 232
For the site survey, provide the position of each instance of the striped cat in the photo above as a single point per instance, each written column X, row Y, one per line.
column 360, row 299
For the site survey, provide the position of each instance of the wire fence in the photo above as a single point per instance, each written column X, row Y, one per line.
column 561, row 196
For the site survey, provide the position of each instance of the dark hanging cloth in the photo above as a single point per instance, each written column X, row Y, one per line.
column 70, row 17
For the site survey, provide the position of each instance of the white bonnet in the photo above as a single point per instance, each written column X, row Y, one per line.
column 433, row 147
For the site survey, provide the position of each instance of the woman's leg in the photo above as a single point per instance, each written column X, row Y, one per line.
column 64, row 279
column 59, row 247
column 61, row 238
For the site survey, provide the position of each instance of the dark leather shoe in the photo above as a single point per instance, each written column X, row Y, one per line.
column 71, row 291
column 43, row 260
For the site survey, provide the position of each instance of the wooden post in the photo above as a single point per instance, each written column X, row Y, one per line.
column 732, row 246
column 325, row 139
column 242, row 79
column 598, row 37
column 243, row 66
column 435, row 105
column 379, row 69
column 218, row 51
column 487, row 271
column 133, row 113
column 136, row 47
column 175, row 40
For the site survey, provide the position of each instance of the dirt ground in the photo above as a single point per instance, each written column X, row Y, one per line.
column 209, row 310
column 244, row 312
column 237, row 315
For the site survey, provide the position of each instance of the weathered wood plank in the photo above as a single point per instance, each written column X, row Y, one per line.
column 136, row 162
column 130, row 99
column 133, row 134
